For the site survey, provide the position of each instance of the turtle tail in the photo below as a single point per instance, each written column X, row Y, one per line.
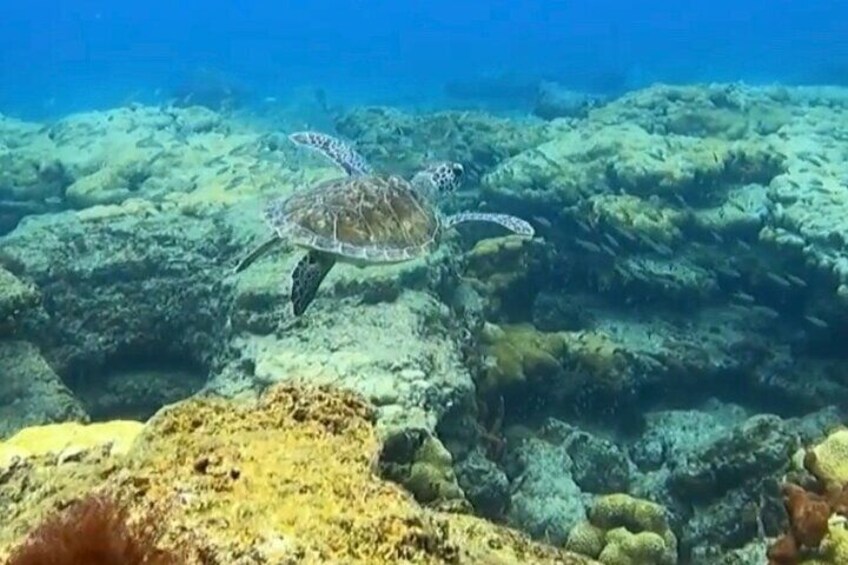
column 307, row 277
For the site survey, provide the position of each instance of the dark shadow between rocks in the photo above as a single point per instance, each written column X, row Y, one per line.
column 137, row 386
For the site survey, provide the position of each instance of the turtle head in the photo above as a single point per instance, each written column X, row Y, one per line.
column 439, row 178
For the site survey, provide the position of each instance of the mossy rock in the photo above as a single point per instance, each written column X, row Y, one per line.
column 15, row 298
column 624, row 530
column 586, row 539
column 635, row 514
column 637, row 216
column 829, row 459
column 521, row 354
column 431, row 476
column 624, row 547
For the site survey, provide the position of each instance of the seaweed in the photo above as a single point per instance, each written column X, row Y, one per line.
column 96, row 530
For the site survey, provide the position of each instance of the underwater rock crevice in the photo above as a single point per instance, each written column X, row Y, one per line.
column 135, row 386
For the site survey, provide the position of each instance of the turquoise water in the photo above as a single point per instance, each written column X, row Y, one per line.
column 59, row 56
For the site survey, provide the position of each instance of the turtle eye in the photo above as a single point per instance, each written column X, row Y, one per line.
column 458, row 170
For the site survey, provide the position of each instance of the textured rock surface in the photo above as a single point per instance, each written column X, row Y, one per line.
column 30, row 392
column 546, row 501
column 287, row 478
column 691, row 246
column 16, row 297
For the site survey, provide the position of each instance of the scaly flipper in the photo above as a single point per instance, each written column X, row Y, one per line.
column 307, row 277
column 513, row 224
column 257, row 252
column 334, row 149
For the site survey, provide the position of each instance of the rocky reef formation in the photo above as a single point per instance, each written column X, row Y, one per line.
column 289, row 478
column 673, row 335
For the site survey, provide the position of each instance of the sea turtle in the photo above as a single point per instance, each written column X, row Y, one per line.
column 362, row 218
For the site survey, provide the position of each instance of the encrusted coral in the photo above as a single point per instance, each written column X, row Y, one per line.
column 828, row 460
column 623, row 530
column 420, row 462
column 288, row 478
column 521, row 354
column 817, row 525
column 817, row 520
column 637, row 216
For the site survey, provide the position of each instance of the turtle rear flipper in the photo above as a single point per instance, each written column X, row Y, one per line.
column 256, row 253
column 336, row 150
column 307, row 277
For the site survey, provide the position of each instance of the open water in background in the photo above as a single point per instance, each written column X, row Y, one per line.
column 59, row 56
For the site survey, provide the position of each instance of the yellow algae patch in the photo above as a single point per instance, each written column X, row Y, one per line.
column 64, row 438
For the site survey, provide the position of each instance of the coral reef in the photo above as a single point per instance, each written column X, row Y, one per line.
column 674, row 333
column 565, row 360
column 403, row 142
column 289, row 477
column 828, row 460
column 622, row 530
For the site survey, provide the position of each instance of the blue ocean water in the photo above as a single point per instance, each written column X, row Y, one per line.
column 57, row 56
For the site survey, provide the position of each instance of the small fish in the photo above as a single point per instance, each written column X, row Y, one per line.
column 587, row 245
column 778, row 280
column 583, row 225
column 716, row 236
column 770, row 313
column 818, row 322
column 664, row 250
column 743, row 244
column 625, row 234
column 542, row 221
column 612, row 241
column 728, row 271
column 608, row 250
column 797, row 281
column 743, row 297
column 660, row 248
column 681, row 200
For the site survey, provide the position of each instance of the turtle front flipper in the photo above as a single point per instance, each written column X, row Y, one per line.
column 336, row 150
column 512, row 223
column 307, row 277
column 258, row 252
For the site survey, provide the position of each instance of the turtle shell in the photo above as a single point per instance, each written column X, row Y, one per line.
column 373, row 219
